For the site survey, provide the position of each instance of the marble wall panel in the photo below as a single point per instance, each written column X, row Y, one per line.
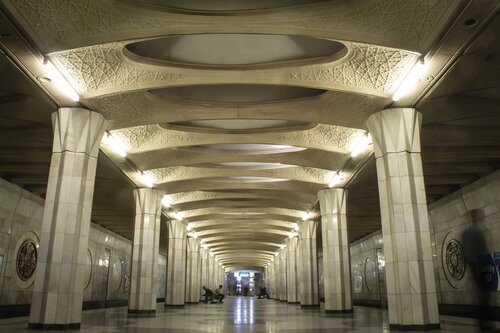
column 21, row 218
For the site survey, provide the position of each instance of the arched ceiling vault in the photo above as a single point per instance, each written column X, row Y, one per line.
column 241, row 140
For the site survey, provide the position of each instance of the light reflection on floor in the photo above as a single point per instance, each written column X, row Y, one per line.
column 241, row 315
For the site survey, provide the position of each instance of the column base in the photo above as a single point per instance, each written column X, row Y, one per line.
column 191, row 302
column 348, row 311
column 426, row 327
column 150, row 313
column 283, row 300
column 56, row 327
column 293, row 302
column 174, row 305
column 309, row 305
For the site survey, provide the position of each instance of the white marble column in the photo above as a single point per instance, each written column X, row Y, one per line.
column 193, row 271
column 283, row 281
column 175, row 290
column 411, row 290
column 276, row 277
column 336, row 256
column 291, row 272
column 210, row 271
column 270, row 280
column 204, row 270
column 215, row 271
column 58, row 290
column 145, row 251
column 308, row 269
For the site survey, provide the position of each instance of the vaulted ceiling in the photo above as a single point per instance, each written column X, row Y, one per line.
column 240, row 111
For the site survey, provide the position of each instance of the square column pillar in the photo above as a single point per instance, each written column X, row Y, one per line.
column 210, row 280
column 276, row 277
column 145, row 251
column 204, row 270
column 193, row 271
column 58, row 290
column 283, row 282
column 175, row 290
column 292, row 294
column 411, row 289
column 308, row 268
column 336, row 256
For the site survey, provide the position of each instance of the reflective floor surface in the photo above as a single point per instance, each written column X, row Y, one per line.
column 238, row 314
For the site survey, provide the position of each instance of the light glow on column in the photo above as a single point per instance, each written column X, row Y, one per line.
column 363, row 143
column 337, row 178
column 410, row 81
column 60, row 82
column 114, row 144
column 179, row 216
column 166, row 201
column 146, row 179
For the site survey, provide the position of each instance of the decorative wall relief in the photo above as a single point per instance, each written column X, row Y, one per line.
column 26, row 259
column 453, row 260
column 370, row 273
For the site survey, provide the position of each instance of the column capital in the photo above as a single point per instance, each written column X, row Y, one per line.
column 204, row 254
column 332, row 201
column 292, row 243
column 176, row 229
column 395, row 130
column 307, row 229
column 193, row 244
column 147, row 200
column 77, row 130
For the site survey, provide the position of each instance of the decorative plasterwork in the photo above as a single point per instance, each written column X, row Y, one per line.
column 370, row 69
column 165, row 175
column 220, row 233
column 223, row 223
column 397, row 23
column 188, row 197
column 153, row 137
column 104, row 69
column 292, row 214
column 212, row 185
column 168, row 157
column 143, row 108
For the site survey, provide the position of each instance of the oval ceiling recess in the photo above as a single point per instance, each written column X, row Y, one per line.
column 235, row 49
column 227, row 5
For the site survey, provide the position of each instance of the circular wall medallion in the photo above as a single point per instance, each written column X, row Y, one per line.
column 452, row 260
column 26, row 260
column 88, row 270
column 455, row 259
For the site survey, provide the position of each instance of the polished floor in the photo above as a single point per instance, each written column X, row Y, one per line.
column 238, row 314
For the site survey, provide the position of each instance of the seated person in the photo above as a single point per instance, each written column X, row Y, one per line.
column 219, row 294
column 208, row 294
column 263, row 293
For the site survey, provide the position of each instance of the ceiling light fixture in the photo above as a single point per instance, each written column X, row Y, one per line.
column 166, row 201
column 179, row 216
column 296, row 227
column 203, row 245
column 61, row 83
column 114, row 144
column 211, row 253
column 282, row 246
column 337, row 178
column 292, row 234
column 146, row 179
column 410, row 81
column 305, row 216
column 363, row 143
column 189, row 226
